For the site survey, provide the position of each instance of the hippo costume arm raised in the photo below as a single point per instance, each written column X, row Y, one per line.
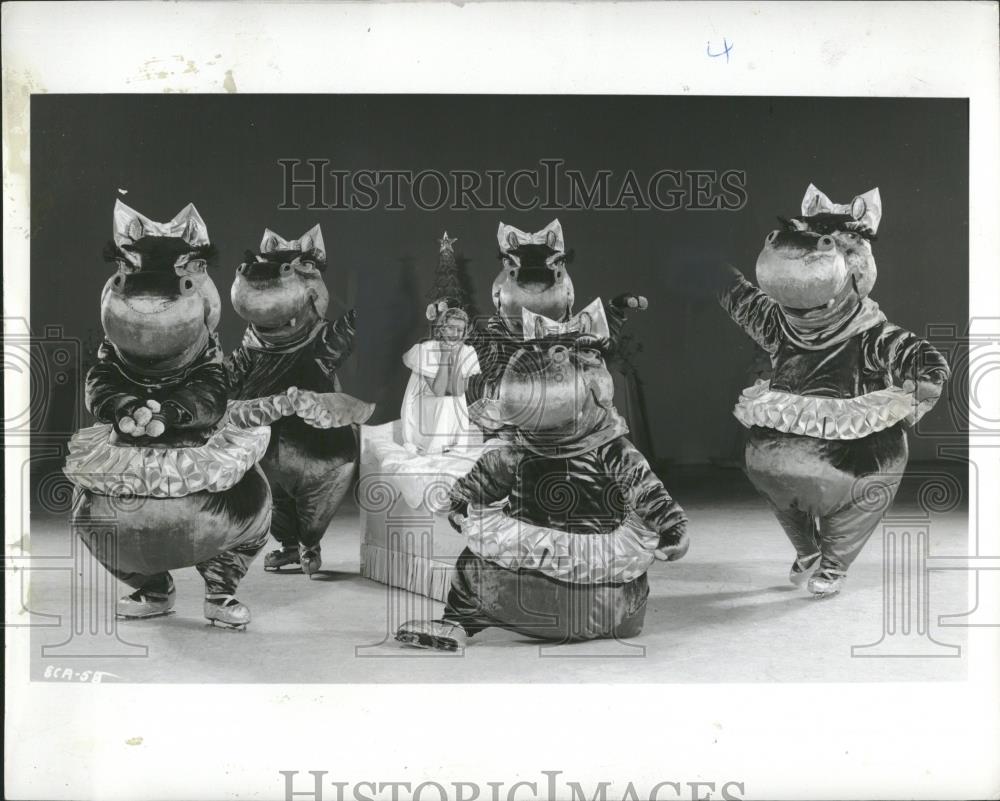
column 900, row 356
column 845, row 383
column 533, row 275
column 289, row 347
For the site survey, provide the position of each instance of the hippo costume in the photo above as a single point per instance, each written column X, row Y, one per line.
column 828, row 430
column 564, row 519
column 167, row 478
column 290, row 347
column 533, row 276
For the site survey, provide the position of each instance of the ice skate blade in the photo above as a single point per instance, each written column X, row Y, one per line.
column 231, row 626
column 120, row 616
column 427, row 641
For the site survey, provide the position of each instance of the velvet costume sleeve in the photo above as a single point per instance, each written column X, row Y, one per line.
column 493, row 346
column 644, row 491
column 196, row 401
column 336, row 344
column 616, row 319
column 490, row 480
column 484, row 344
column 239, row 364
column 753, row 311
column 107, row 390
column 616, row 322
column 199, row 401
column 904, row 355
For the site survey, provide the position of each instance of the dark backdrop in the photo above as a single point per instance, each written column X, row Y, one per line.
column 221, row 153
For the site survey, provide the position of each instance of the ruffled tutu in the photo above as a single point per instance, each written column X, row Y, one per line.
column 97, row 464
column 618, row 556
column 824, row 418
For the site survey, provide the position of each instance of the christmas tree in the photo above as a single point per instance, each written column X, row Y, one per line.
column 451, row 281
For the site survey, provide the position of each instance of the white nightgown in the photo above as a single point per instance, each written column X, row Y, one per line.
column 432, row 424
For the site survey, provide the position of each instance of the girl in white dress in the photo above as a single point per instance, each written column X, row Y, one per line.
column 434, row 414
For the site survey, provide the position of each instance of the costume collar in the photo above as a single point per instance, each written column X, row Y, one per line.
column 168, row 370
column 822, row 328
column 254, row 340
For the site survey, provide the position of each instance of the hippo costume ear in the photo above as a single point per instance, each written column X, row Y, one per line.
column 270, row 241
column 553, row 236
column 312, row 240
column 509, row 237
column 815, row 202
column 129, row 225
column 866, row 209
column 189, row 226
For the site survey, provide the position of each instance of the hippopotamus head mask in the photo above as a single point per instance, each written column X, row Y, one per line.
column 533, row 275
column 280, row 290
column 556, row 392
column 822, row 258
column 160, row 307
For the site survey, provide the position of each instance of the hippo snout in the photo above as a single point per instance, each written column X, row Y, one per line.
column 801, row 270
column 271, row 295
column 154, row 327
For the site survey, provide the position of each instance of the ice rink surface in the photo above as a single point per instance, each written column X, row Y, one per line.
column 725, row 613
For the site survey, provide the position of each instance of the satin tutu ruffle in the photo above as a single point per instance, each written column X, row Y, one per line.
column 824, row 418
column 97, row 464
column 618, row 556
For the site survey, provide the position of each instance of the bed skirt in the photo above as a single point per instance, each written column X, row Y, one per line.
column 406, row 540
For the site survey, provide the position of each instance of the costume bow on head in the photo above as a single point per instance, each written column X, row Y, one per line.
column 129, row 227
column 590, row 322
column 311, row 241
column 864, row 212
column 556, row 394
column 510, row 238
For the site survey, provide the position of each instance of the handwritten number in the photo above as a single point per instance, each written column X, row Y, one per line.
column 726, row 49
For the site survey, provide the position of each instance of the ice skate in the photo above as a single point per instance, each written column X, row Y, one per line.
column 311, row 559
column 827, row 581
column 226, row 610
column 803, row 569
column 283, row 557
column 440, row 635
column 143, row 603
